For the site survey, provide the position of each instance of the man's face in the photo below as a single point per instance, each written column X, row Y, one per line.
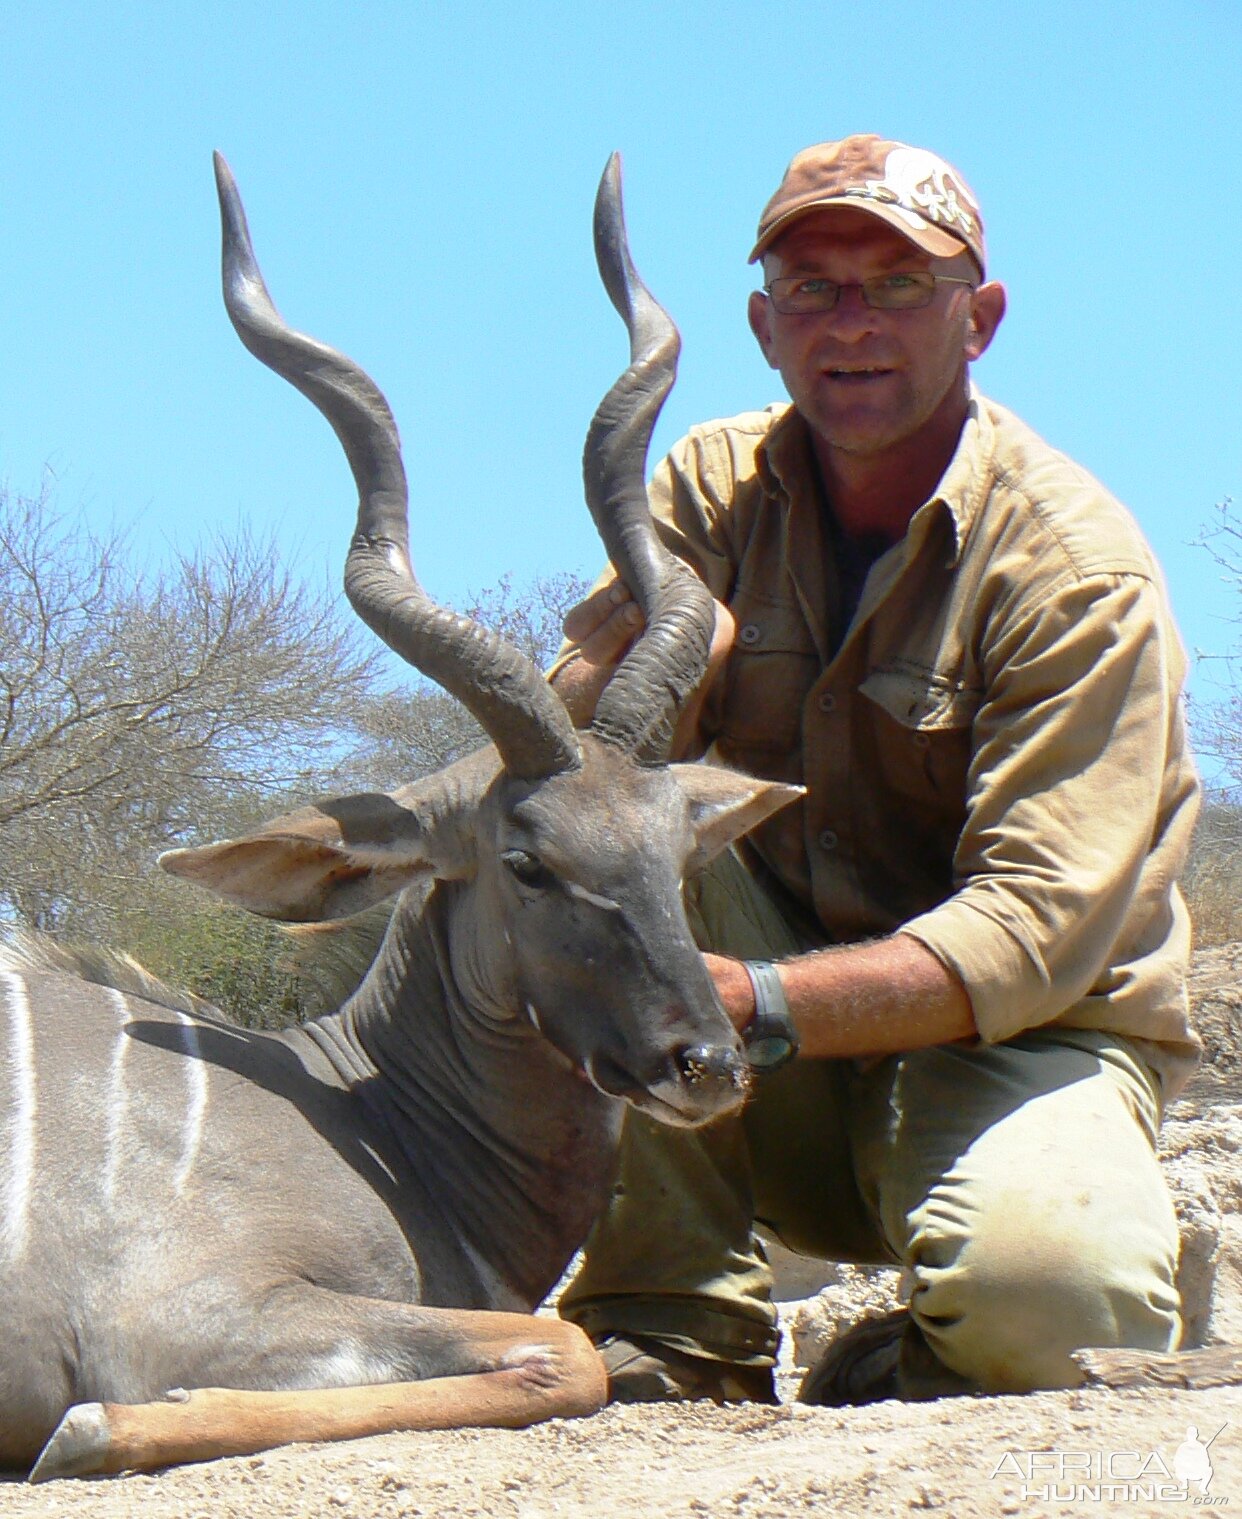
column 867, row 380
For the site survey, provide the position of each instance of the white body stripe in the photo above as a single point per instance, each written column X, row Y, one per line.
column 20, row 1159
column 117, row 1097
column 196, row 1082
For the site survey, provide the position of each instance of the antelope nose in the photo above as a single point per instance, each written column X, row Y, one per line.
column 713, row 1065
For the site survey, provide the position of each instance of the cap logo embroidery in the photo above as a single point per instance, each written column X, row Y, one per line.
column 920, row 186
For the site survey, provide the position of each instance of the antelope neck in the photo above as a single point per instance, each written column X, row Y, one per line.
column 510, row 1144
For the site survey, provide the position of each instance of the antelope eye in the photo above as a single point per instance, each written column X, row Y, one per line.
column 528, row 868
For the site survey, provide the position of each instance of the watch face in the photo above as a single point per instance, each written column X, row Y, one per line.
column 770, row 1038
column 767, row 1051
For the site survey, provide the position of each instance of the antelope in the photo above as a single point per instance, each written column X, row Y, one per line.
column 215, row 1240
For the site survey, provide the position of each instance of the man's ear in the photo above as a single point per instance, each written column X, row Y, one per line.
column 759, row 314
column 987, row 310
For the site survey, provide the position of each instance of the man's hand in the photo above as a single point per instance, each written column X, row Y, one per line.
column 604, row 627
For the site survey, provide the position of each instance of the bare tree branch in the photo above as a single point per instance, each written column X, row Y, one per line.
column 406, row 734
column 143, row 710
column 1216, row 719
column 136, row 708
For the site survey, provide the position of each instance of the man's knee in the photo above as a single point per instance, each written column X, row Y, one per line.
column 1003, row 1306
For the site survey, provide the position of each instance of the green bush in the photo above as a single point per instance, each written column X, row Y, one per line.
column 239, row 963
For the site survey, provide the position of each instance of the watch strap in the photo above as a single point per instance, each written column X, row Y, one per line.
column 770, row 1038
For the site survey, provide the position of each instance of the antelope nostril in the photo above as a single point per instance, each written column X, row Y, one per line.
column 716, row 1064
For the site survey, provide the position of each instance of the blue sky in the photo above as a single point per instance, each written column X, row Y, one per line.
column 419, row 182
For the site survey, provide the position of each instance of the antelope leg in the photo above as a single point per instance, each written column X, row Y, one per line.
column 553, row 1371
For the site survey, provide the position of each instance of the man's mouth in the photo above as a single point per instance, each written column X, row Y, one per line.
column 857, row 376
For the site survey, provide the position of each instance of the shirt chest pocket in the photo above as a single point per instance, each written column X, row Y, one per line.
column 923, row 732
column 773, row 664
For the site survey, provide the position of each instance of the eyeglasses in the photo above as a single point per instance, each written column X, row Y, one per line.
column 803, row 294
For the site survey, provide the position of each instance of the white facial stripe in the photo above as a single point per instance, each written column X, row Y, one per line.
column 593, row 898
column 19, row 1168
column 116, row 1096
column 196, row 1082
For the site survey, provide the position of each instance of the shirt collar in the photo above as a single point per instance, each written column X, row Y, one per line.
column 785, row 461
column 786, row 468
column 964, row 486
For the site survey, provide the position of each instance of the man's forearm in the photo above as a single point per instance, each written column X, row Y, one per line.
column 866, row 999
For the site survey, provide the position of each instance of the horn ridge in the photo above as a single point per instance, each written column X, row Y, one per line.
column 504, row 690
column 638, row 708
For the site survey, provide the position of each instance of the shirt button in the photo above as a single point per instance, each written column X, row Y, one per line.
column 921, row 741
column 827, row 839
column 749, row 633
column 827, row 702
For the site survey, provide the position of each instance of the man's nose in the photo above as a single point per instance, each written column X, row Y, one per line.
column 851, row 314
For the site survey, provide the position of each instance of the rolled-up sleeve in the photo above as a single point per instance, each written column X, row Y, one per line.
column 1070, row 785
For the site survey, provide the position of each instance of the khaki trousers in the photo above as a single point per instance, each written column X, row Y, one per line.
column 1016, row 1183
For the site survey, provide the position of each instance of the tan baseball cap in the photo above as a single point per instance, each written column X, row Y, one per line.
column 911, row 189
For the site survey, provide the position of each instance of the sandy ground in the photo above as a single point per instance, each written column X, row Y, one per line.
column 1083, row 1452
column 971, row 1458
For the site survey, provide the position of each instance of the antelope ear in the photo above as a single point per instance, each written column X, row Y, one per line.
column 725, row 804
column 337, row 857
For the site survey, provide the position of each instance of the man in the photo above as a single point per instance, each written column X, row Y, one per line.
column 960, row 644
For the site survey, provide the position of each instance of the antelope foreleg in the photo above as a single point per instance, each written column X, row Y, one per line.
column 548, row 1374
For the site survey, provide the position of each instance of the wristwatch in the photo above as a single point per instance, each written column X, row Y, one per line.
column 769, row 1039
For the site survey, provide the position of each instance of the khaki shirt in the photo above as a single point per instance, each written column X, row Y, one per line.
column 994, row 746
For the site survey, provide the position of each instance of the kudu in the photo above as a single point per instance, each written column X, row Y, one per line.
column 302, row 1227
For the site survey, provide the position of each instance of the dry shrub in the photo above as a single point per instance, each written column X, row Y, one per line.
column 1213, row 879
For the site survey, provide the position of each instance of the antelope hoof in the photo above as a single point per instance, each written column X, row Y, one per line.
column 78, row 1446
